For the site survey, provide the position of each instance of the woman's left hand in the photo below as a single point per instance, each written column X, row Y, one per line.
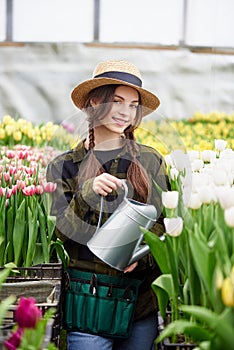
column 131, row 267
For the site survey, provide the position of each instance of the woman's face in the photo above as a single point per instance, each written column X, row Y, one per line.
column 123, row 111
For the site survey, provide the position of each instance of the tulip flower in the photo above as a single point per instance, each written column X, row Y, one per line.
column 206, row 194
column 2, row 191
column 13, row 342
column 220, row 145
column 170, row 199
column 225, row 196
column 174, row 173
column 220, row 177
column 173, row 226
column 194, row 201
column 197, row 164
column 29, row 190
column 228, row 292
column 208, row 155
column 49, row 186
column 27, row 313
column 181, row 161
column 229, row 216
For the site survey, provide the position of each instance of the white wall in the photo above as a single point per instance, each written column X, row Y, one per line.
column 36, row 79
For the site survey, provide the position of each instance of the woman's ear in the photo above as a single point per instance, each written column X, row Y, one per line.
column 93, row 102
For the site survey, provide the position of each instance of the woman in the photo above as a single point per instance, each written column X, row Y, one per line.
column 114, row 103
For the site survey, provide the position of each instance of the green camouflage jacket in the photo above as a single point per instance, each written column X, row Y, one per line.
column 77, row 210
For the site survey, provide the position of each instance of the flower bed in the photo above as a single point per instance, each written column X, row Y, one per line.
column 197, row 255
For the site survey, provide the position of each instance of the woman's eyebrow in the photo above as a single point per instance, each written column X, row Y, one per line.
column 122, row 98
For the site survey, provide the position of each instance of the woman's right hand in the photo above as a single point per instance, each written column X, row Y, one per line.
column 106, row 183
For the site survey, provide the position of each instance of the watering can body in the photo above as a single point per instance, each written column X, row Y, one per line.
column 118, row 241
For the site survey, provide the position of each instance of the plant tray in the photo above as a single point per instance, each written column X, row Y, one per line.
column 166, row 345
column 44, row 284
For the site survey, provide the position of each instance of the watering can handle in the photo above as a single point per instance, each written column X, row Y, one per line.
column 102, row 202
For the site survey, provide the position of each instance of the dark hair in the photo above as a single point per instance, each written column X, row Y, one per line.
column 136, row 174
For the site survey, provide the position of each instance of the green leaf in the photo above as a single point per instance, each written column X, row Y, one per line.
column 221, row 324
column 2, row 250
column 3, row 215
column 19, row 232
column 163, row 288
column 10, row 227
column 204, row 260
column 158, row 249
column 190, row 329
column 43, row 234
column 4, row 306
column 32, row 236
column 51, row 222
column 60, row 252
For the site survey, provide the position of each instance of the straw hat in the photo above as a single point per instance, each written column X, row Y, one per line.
column 115, row 72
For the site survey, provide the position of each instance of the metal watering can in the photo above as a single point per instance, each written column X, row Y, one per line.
column 118, row 241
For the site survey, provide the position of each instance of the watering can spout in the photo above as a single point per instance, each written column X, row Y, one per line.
column 140, row 253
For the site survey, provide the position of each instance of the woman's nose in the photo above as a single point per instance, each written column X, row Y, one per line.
column 124, row 108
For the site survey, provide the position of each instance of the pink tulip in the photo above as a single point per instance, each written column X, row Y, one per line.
column 27, row 313
column 29, row 190
column 2, row 191
column 14, row 341
column 9, row 192
column 10, row 154
column 39, row 189
column 6, row 176
column 12, row 169
column 23, row 154
column 20, row 184
column 49, row 186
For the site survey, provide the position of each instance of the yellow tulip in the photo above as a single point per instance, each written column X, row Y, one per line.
column 7, row 119
column 228, row 292
column 219, row 279
column 17, row 135
column 2, row 134
column 9, row 129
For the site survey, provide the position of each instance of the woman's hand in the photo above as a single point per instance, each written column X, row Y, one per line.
column 106, row 183
column 131, row 267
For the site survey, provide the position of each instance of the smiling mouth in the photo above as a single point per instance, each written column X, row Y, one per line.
column 120, row 122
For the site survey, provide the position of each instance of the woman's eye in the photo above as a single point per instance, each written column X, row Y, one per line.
column 133, row 106
column 117, row 101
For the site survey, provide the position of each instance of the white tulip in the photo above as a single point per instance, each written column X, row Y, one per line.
column 186, row 195
column 207, row 194
column 170, row 199
column 173, row 226
column 174, row 173
column 225, row 196
column 193, row 155
column 199, row 180
column 181, row 160
column 220, row 177
column 197, row 165
column 194, row 201
column 229, row 216
column 169, row 160
column 220, row 145
column 208, row 155
column 228, row 153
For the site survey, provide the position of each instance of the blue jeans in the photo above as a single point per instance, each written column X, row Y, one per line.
column 142, row 337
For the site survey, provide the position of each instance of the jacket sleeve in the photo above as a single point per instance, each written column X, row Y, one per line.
column 76, row 209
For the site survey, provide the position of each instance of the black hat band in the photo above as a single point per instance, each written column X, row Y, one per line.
column 127, row 77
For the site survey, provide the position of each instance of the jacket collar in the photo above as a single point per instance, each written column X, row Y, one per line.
column 80, row 152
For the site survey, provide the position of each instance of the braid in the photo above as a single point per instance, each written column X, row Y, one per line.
column 136, row 174
column 92, row 167
column 91, row 135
